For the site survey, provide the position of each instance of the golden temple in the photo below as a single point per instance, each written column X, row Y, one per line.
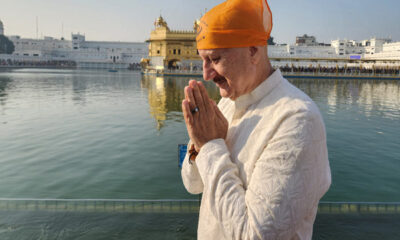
column 171, row 50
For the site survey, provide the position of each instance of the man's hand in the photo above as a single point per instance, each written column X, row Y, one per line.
column 207, row 123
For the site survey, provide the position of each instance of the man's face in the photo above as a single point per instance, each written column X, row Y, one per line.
column 229, row 69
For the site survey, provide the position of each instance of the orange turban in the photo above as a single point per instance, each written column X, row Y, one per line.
column 235, row 23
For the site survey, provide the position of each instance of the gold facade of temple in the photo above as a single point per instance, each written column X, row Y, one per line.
column 169, row 49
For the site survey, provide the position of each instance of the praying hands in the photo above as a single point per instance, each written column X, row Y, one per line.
column 204, row 121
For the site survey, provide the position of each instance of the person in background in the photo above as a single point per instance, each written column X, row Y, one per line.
column 260, row 157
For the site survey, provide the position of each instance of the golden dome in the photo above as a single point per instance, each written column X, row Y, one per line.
column 196, row 24
column 160, row 22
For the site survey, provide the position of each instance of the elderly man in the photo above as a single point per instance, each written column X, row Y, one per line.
column 259, row 157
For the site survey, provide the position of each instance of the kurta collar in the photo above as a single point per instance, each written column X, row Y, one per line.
column 243, row 102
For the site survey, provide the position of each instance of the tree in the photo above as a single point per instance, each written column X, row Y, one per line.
column 6, row 46
column 271, row 41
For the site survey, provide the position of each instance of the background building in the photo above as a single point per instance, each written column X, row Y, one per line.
column 170, row 49
column 176, row 50
column 306, row 52
column 104, row 54
column 306, row 40
column 86, row 54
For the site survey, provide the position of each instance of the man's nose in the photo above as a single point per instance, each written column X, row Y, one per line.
column 209, row 72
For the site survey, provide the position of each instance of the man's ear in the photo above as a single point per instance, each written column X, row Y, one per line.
column 255, row 54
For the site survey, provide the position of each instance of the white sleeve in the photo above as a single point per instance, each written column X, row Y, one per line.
column 190, row 173
column 289, row 178
column 190, row 176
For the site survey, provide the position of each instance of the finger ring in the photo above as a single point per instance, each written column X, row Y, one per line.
column 195, row 110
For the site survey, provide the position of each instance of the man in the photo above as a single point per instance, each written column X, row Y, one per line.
column 260, row 156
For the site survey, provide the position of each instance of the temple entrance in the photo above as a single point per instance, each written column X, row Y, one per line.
column 174, row 64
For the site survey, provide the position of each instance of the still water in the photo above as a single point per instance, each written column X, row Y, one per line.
column 96, row 134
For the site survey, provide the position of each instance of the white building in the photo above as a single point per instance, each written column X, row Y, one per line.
column 390, row 51
column 307, row 47
column 99, row 54
column 47, row 47
column 96, row 53
column 87, row 54
column 366, row 47
column 306, row 40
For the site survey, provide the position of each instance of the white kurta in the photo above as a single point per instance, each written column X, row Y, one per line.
column 266, row 179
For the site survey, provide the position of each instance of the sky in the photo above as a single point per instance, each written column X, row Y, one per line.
column 132, row 20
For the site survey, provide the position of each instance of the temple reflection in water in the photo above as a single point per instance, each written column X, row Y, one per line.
column 4, row 84
column 165, row 95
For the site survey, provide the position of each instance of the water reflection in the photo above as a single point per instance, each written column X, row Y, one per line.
column 99, row 123
column 165, row 95
column 383, row 96
column 79, row 87
column 368, row 95
column 4, row 86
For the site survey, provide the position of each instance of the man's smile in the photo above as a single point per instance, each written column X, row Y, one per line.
column 220, row 81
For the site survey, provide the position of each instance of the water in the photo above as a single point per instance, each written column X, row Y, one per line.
column 96, row 134
column 362, row 119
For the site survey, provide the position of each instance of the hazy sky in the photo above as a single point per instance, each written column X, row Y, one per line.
column 132, row 20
